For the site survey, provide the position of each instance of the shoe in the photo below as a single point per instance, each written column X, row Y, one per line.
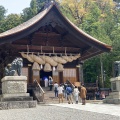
column 76, row 102
column 83, row 104
column 68, row 102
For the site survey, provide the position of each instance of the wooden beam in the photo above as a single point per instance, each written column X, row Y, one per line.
column 47, row 48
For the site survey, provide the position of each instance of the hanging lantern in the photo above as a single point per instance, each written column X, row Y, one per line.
column 36, row 66
column 60, row 68
column 47, row 67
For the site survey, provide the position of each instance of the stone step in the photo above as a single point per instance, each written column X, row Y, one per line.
column 20, row 98
column 17, row 104
column 112, row 101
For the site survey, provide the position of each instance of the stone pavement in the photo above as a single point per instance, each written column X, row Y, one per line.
column 109, row 109
column 64, row 112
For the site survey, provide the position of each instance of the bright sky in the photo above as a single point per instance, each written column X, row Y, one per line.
column 15, row 6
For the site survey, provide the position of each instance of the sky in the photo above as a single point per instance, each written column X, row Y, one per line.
column 15, row 6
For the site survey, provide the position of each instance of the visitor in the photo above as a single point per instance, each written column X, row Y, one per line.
column 50, row 83
column 76, row 94
column 102, row 95
column 60, row 93
column 56, row 89
column 69, row 94
column 65, row 93
column 98, row 95
column 83, row 93
column 45, row 81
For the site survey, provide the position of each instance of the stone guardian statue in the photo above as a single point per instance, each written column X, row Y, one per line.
column 16, row 65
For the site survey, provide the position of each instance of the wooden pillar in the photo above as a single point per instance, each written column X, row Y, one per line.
column 36, row 75
column 61, row 77
column 81, row 79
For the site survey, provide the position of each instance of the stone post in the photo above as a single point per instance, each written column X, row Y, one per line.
column 114, row 96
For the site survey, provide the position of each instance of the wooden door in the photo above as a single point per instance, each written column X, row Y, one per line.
column 55, row 76
column 70, row 74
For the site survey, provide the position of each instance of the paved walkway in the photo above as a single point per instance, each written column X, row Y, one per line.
column 64, row 112
column 98, row 108
column 93, row 110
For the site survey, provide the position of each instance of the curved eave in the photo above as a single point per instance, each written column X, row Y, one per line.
column 22, row 28
column 87, row 37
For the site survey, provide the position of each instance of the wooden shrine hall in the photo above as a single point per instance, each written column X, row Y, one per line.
column 52, row 42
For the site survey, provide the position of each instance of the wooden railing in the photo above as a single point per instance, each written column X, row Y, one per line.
column 41, row 91
column 68, row 82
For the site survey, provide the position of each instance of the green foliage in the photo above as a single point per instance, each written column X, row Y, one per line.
column 12, row 20
column 2, row 17
column 99, row 18
column 40, row 4
column 2, row 12
column 91, row 71
column 30, row 11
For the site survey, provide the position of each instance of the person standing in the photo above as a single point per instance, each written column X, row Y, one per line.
column 102, row 95
column 60, row 93
column 83, row 93
column 76, row 94
column 69, row 94
column 46, row 81
column 65, row 93
column 56, row 89
column 50, row 83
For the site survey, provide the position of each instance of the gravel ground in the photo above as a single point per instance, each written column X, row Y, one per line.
column 46, row 112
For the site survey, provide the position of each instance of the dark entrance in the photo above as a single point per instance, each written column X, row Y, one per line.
column 44, row 75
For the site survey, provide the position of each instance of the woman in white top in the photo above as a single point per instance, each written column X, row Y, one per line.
column 76, row 94
column 60, row 93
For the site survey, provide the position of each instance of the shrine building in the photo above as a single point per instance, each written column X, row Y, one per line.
column 50, row 45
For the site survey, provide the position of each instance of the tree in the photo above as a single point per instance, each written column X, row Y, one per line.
column 2, row 12
column 97, row 18
column 29, row 12
column 40, row 4
column 2, row 17
column 12, row 20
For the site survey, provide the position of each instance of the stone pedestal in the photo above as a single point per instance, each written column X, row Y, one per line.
column 114, row 97
column 14, row 86
column 14, row 93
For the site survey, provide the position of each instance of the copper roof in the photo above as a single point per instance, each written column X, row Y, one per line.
column 77, row 38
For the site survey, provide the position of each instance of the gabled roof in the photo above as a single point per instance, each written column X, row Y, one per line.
column 75, row 37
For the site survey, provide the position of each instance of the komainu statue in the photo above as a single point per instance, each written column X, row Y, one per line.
column 116, row 68
column 15, row 66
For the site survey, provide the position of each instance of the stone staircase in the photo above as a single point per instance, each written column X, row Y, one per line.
column 50, row 98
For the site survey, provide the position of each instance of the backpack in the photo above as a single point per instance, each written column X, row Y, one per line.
column 69, row 90
column 56, row 89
